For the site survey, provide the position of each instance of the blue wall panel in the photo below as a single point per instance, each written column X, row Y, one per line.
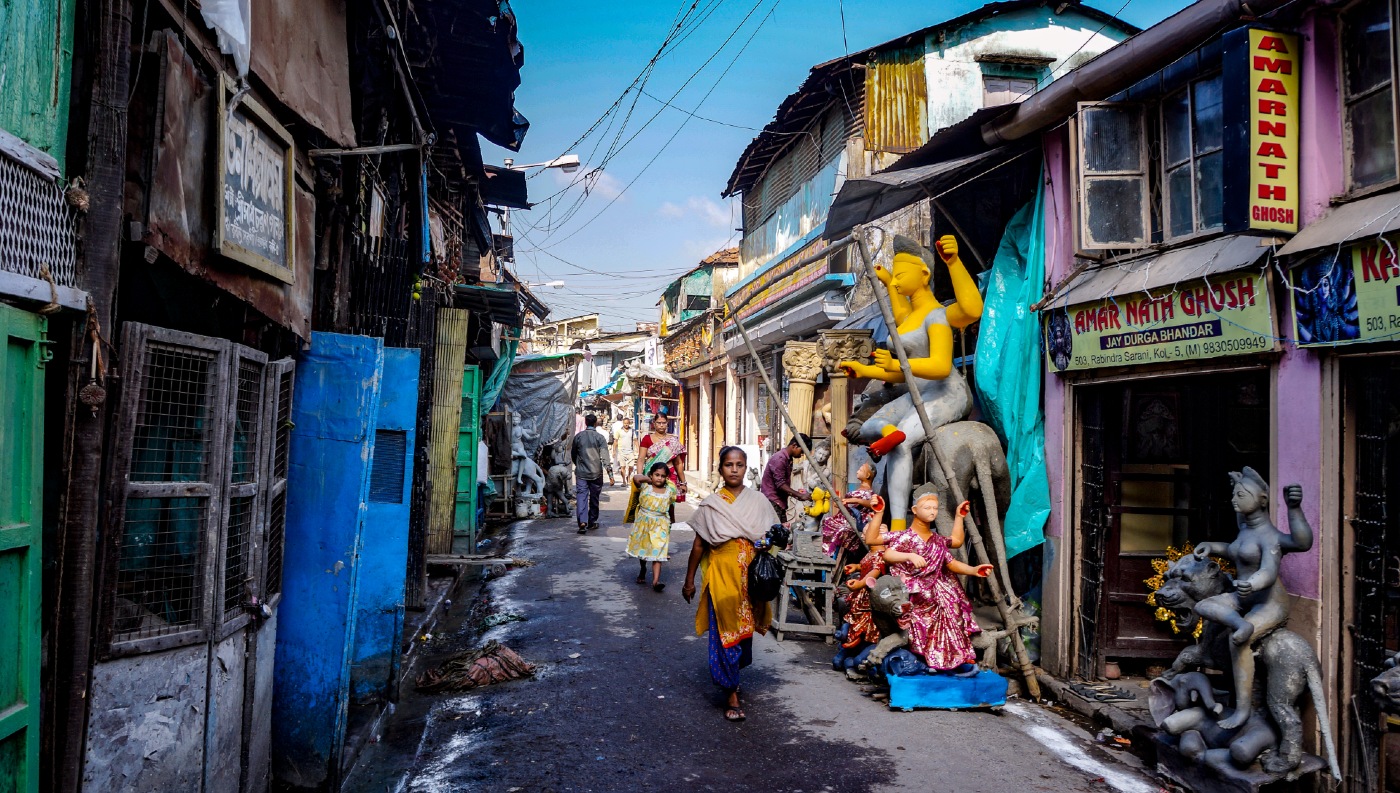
column 335, row 408
column 379, row 621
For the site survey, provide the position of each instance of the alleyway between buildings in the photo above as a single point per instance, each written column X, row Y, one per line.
column 622, row 701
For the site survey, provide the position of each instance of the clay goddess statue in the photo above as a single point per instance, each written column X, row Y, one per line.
column 925, row 326
column 1259, row 603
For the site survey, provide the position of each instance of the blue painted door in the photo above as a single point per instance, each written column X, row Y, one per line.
column 379, row 617
column 334, row 413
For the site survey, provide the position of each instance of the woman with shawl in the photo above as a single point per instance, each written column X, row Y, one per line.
column 659, row 446
column 727, row 524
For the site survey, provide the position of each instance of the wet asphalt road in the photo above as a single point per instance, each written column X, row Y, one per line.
column 623, row 702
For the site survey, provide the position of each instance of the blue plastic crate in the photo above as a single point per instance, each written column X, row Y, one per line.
column 985, row 689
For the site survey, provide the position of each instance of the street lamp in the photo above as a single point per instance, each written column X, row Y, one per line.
column 568, row 163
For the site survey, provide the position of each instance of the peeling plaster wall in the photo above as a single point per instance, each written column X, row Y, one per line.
column 955, row 75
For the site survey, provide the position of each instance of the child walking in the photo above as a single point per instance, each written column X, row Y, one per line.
column 651, row 535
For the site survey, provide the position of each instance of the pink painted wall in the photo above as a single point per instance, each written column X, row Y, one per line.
column 1059, row 259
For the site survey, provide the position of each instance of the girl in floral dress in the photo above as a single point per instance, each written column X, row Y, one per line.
column 651, row 536
column 939, row 622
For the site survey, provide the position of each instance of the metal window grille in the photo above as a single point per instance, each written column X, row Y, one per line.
column 36, row 225
column 171, row 438
column 283, row 430
column 1093, row 526
column 160, row 575
column 247, row 426
column 1375, row 542
column 276, row 534
column 387, row 470
column 238, row 541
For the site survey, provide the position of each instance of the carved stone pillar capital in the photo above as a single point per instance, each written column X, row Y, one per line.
column 802, row 360
column 854, row 344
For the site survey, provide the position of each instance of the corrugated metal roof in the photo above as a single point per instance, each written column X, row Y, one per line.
column 896, row 101
column 1368, row 217
column 1220, row 255
column 833, row 83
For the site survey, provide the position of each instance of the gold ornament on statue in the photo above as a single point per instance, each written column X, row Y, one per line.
column 1159, row 569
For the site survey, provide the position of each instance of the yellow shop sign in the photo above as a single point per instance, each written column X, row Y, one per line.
column 1216, row 317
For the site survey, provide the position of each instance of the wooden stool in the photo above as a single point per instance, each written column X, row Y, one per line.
column 811, row 576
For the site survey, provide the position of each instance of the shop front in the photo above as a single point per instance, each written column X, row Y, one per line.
column 1166, row 390
column 1347, row 314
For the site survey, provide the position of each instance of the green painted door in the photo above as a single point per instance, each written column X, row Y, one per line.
column 21, row 447
column 464, row 515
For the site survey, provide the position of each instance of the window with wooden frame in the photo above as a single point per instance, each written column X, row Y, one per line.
column 194, row 474
column 1368, row 93
column 1113, row 176
column 1193, row 159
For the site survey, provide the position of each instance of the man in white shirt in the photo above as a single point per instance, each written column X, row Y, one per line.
column 625, row 449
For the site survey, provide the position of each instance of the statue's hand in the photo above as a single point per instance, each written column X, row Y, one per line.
column 919, row 562
column 984, row 570
column 884, row 360
column 1293, row 495
column 883, row 274
column 947, row 248
column 1201, row 552
column 963, row 509
column 858, row 369
column 1244, row 587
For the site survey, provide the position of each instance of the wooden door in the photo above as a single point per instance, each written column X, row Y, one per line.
column 21, row 447
column 468, row 442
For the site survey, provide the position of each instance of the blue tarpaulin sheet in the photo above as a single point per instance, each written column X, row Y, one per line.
column 1009, row 370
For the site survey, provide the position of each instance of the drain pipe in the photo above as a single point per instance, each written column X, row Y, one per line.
column 1124, row 65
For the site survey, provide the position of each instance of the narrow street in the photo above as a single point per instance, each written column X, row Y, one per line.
column 622, row 701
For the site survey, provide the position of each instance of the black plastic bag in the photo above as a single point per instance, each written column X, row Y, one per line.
column 765, row 578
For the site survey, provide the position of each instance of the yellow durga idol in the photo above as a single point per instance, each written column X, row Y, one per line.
column 925, row 326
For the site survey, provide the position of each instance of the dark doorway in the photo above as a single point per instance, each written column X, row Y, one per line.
column 1154, row 473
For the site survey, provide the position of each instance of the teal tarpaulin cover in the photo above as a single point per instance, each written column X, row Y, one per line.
column 1009, row 370
column 491, row 389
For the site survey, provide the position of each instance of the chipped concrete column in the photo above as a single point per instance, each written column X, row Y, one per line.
column 842, row 345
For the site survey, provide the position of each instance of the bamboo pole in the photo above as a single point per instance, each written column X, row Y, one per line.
column 1008, row 619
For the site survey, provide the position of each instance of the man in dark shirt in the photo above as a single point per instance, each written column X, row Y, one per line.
column 588, row 451
column 777, row 477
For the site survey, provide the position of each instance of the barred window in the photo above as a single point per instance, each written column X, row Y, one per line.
column 201, row 441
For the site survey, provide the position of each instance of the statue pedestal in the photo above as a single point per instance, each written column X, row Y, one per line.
column 986, row 689
column 1208, row 777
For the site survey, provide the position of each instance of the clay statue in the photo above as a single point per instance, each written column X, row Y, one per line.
column 889, row 609
column 519, row 436
column 864, row 628
column 974, row 453
column 559, row 480
column 939, row 619
column 1175, row 708
column 925, row 327
column 1385, row 687
column 1259, row 603
column 1287, row 663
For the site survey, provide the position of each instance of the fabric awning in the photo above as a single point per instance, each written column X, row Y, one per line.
column 1368, row 217
column 875, row 196
column 1220, row 255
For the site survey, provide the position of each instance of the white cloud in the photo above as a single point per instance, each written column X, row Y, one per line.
column 702, row 209
column 597, row 183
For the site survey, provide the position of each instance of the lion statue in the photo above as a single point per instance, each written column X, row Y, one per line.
column 1289, row 667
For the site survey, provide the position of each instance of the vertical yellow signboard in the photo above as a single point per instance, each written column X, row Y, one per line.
column 1273, row 130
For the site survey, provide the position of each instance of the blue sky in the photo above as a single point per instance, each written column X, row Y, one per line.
column 654, row 210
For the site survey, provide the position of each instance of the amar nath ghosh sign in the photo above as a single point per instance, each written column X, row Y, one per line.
column 1216, row 317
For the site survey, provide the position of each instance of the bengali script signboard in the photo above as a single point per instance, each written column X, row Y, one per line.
column 254, row 222
column 1348, row 298
column 1217, row 317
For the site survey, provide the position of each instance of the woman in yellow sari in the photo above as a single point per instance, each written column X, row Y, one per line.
column 727, row 524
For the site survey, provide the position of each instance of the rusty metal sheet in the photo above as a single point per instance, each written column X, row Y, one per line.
column 146, row 721
column 301, row 53
column 896, row 101
column 180, row 212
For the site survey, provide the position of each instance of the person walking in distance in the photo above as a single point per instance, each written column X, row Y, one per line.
column 626, row 446
column 777, row 477
column 588, row 451
column 607, row 457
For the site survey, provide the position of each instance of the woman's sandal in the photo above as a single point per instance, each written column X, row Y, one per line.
column 734, row 714
column 642, row 579
column 657, row 587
